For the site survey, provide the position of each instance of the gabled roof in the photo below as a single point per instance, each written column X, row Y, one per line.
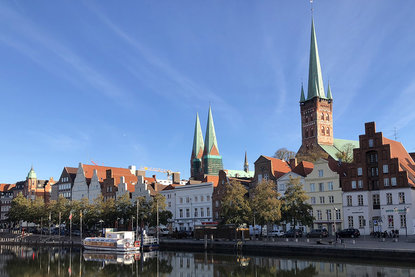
column 279, row 167
column 303, row 168
column 406, row 163
column 212, row 179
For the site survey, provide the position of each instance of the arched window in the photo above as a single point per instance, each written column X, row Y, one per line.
column 322, row 116
column 328, row 131
column 327, row 116
column 322, row 130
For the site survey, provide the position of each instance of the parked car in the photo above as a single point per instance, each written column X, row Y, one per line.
column 349, row 233
column 317, row 233
column 276, row 233
column 297, row 233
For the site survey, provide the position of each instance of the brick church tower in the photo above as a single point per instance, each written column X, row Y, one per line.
column 317, row 108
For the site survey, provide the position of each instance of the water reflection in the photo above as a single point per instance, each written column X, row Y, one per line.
column 26, row 261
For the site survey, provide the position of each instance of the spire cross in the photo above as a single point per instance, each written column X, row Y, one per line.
column 312, row 8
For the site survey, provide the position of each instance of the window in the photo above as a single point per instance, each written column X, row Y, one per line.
column 389, row 198
column 322, row 116
column 208, row 211
column 360, row 200
column 401, row 198
column 322, row 130
column 338, row 214
column 327, row 116
column 359, row 171
column 403, row 220
column 331, row 199
column 320, row 173
column 360, row 183
column 201, row 198
column 195, row 212
column 330, row 186
column 259, row 178
column 370, row 142
column 319, row 215
column 312, row 188
column 376, row 201
column 313, row 200
column 361, row 221
column 328, row 131
column 169, row 204
column 181, row 213
column 282, row 187
column 393, row 181
column 208, row 198
column 181, row 200
column 321, row 199
column 217, row 203
column 266, row 178
column 195, row 198
column 187, row 199
column 390, row 221
column 328, row 213
column 349, row 200
column 202, row 212
column 353, row 184
column 386, row 182
column 187, row 213
column 385, row 169
column 374, row 171
column 350, row 221
column 321, row 186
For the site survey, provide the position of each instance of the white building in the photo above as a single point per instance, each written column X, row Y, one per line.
column 190, row 204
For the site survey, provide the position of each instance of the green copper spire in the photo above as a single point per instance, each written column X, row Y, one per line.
column 246, row 164
column 31, row 174
column 329, row 96
column 210, row 137
column 302, row 98
column 315, row 80
column 198, row 144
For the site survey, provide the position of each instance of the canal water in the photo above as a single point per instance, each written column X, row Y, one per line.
column 18, row 261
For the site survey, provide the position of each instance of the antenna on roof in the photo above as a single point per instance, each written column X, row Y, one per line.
column 395, row 133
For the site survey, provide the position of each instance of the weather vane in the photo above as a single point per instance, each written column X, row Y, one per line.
column 312, row 9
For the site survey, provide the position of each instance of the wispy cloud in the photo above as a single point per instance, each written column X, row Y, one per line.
column 30, row 40
column 182, row 86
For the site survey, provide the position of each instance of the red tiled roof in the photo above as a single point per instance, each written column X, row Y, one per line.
column 212, row 179
column 406, row 163
column 279, row 167
column 303, row 168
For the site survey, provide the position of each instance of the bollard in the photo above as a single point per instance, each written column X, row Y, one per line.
column 354, row 241
column 308, row 240
column 296, row 240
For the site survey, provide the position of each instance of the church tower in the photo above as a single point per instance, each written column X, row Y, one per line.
column 196, row 166
column 31, row 181
column 212, row 161
column 317, row 108
column 246, row 164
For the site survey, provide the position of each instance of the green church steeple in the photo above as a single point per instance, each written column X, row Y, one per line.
column 197, row 151
column 302, row 98
column 329, row 96
column 212, row 161
column 31, row 174
column 315, row 79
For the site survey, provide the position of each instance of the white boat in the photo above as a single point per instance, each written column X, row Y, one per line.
column 113, row 241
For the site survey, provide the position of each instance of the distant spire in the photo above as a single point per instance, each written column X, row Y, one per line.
column 329, row 95
column 211, row 145
column 31, row 174
column 246, row 164
column 198, row 145
column 315, row 80
column 302, row 98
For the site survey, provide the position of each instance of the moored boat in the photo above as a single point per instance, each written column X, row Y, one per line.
column 113, row 241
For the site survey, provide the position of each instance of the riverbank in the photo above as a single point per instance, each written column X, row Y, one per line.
column 371, row 249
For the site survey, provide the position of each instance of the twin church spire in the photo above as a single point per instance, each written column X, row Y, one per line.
column 205, row 159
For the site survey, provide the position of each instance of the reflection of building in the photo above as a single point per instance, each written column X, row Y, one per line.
column 190, row 204
column 379, row 186
column 187, row 264
column 323, row 187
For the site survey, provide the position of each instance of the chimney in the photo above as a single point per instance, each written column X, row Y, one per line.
column 176, row 177
column 293, row 163
column 155, row 179
column 140, row 173
column 132, row 169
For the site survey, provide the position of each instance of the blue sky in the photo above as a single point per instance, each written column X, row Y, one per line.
column 120, row 84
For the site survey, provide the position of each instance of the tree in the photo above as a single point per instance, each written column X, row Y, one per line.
column 294, row 207
column 19, row 209
column 158, row 201
column 346, row 153
column 265, row 203
column 284, row 154
column 312, row 156
column 235, row 206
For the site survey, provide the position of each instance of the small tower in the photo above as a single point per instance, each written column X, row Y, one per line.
column 196, row 168
column 246, row 164
column 212, row 161
column 31, row 181
column 317, row 108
